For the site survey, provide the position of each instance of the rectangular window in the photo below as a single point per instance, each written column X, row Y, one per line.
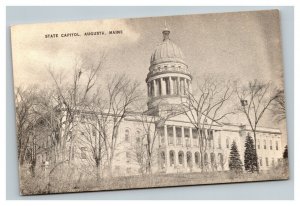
column 267, row 162
column 219, row 143
column 187, row 132
column 258, row 144
column 276, row 145
column 178, row 132
column 227, row 143
column 265, row 144
column 260, row 162
column 170, row 134
column 271, row 147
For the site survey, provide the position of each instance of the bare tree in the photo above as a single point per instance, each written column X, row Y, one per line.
column 71, row 97
column 205, row 108
column 152, row 128
column 108, row 108
column 255, row 99
column 278, row 107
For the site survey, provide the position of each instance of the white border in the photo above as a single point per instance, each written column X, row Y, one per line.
column 4, row 3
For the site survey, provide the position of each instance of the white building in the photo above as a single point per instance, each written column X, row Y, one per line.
column 176, row 146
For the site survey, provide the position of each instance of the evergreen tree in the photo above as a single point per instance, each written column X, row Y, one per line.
column 235, row 163
column 250, row 157
column 285, row 153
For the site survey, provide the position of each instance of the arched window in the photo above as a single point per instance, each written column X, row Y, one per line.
column 212, row 158
column 172, row 158
column 205, row 159
column 163, row 159
column 221, row 160
column 127, row 135
column 197, row 157
column 180, row 157
column 189, row 159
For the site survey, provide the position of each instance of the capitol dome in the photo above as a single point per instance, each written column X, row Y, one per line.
column 167, row 51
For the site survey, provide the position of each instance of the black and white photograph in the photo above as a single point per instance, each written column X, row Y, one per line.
column 150, row 102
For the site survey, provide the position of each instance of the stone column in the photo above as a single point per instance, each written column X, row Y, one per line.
column 182, row 136
column 178, row 85
column 174, row 135
column 184, row 86
column 171, row 86
column 191, row 137
column 166, row 134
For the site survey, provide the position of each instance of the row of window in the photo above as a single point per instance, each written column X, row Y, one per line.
column 266, row 160
column 189, row 158
column 265, row 144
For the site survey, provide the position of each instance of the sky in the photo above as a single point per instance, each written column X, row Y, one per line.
column 241, row 45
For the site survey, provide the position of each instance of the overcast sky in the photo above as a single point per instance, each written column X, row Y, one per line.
column 241, row 46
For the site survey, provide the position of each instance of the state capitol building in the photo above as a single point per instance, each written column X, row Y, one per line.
column 176, row 145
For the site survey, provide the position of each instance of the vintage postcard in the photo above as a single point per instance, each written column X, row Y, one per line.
column 149, row 102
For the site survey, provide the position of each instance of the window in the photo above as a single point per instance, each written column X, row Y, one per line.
column 138, row 136
column 227, row 143
column 276, row 145
column 195, row 137
column 258, row 144
column 126, row 135
column 163, row 159
column 267, row 162
column 197, row 158
column 159, row 86
column 180, row 157
column 178, row 132
column 209, row 143
column 265, row 144
column 187, row 132
column 212, row 158
column 170, row 134
column 172, row 158
column 273, row 162
column 205, row 159
column 189, row 159
column 83, row 152
column 178, row 135
column 271, row 147
column 260, row 162
column 168, row 91
column 219, row 143
column 210, row 133
column 152, row 88
column 221, row 160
